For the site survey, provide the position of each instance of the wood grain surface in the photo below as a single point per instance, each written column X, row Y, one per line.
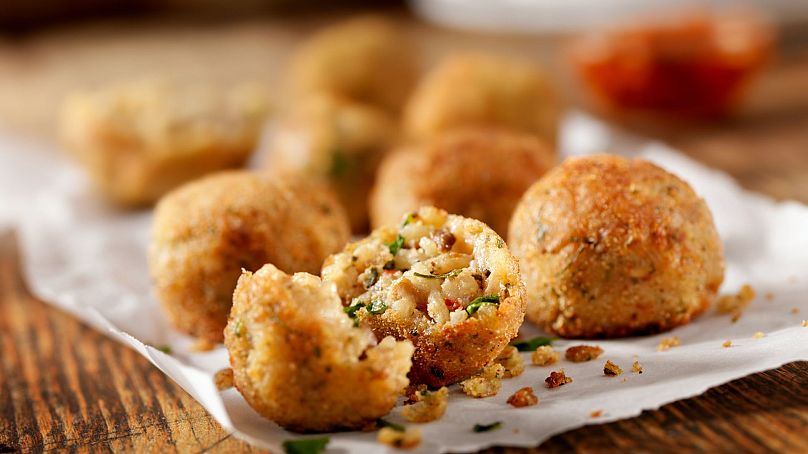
column 65, row 386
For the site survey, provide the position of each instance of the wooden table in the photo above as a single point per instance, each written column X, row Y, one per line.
column 64, row 385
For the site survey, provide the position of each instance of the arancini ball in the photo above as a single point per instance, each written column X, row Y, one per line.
column 477, row 173
column 364, row 59
column 206, row 231
column 610, row 247
column 336, row 141
column 138, row 140
column 470, row 90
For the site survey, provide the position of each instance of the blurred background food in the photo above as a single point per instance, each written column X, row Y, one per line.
column 343, row 84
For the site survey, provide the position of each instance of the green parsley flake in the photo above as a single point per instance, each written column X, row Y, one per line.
column 531, row 345
column 377, row 307
column 396, row 245
column 478, row 302
column 452, row 273
column 165, row 348
column 487, row 427
column 305, row 445
column 384, row 423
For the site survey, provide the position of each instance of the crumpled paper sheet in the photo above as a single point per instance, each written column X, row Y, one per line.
column 90, row 259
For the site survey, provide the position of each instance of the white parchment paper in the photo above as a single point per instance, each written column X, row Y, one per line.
column 90, row 259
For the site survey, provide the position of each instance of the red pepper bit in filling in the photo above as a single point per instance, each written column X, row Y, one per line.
column 453, row 305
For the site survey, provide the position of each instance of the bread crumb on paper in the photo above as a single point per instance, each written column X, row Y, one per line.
column 223, row 379
column 611, row 369
column 759, row 335
column 545, row 356
column 512, row 361
column 523, row 398
column 636, row 367
column 735, row 304
column 596, row 414
column 203, row 345
column 727, row 344
column 769, row 296
column 795, row 310
column 668, row 343
column 557, row 378
column 429, row 405
column 485, row 384
column 408, row 439
column 805, row 323
column 583, row 353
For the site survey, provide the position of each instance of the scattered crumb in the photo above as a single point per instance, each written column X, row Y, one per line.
column 582, row 353
column 727, row 344
column 486, row 383
column 428, row 406
column 805, row 323
column 795, row 310
column 769, row 296
column 545, row 356
column 596, row 413
column 557, row 378
column 611, row 369
column 624, row 380
column 512, row 361
column 759, row 335
column 407, row 439
column 667, row 343
column 636, row 367
column 202, row 345
column 735, row 304
column 223, row 379
column 523, row 398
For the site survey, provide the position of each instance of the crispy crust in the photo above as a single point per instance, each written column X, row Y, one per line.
column 612, row 247
column 298, row 359
column 206, row 231
column 478, row 173
column 335, row 140
column 449, row 352
column 363, row 59
column 139, row 140
column 469, row 90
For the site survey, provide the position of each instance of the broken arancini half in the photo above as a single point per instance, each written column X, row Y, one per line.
column 447, row 283
column 300, row 361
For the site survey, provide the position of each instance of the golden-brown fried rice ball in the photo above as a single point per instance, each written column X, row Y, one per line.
column 337, row 141
column 483, row 90
column 610, row 247
column 365, row 59
column 300, row 361
column 478, row 173
column 447, row 283
column 139, row 140
column 206, row 231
